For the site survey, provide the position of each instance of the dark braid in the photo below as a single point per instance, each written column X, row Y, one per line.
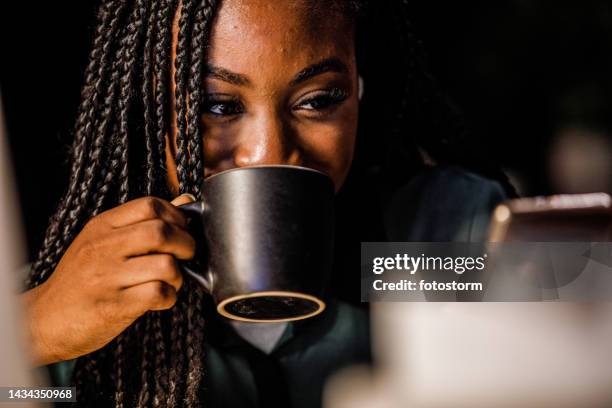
column 89, row 367
column 130, row 43
column 195, row 322
column 180, row 78
column 193, row 367
column 175, row 378
column 133, row 37
column 162, row 73
column 161, row 56
column 145, row 374
column 95, row 157
column 196, row 325
column 106, row 181
column 147, row 98
column 201, row 28
column 74, row 204
column 104, row 163
column 161, row 375
column 149, row 131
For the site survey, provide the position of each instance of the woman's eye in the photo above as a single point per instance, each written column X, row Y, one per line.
column 219, row 107
column 323, row 100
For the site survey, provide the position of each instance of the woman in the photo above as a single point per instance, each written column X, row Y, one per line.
column 175, row 92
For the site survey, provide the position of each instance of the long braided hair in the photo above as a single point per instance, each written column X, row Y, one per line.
column 124, row 112
column 118, row 154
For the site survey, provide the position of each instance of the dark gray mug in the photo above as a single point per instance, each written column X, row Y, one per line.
column 266, row 237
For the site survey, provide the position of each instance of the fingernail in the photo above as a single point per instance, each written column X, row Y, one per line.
column 190, row 196
column 183, row 199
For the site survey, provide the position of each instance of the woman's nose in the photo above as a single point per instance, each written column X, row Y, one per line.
column 269, row 141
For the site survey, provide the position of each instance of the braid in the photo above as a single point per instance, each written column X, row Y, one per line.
column 144, row 396
column 87, row 366
column 107, row 174
column 176, row 335
column 120, row 343
column 175, row 377
column 181, row 65
column 129, row 45
column 161, row 377
column 201, row 28
column 89, row 99
column 162, row 73
column 89, row 381
column 106, row 182
column 194, row 367
column 195, row 320
column 163, row 22
column 132, row 40
column 95, row 158
column 195, row 352
column 147, row 98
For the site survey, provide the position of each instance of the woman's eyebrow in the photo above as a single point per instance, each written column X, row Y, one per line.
column 326, row 65
column 223, row 74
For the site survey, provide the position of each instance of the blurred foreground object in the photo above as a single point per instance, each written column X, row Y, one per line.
column 558, row 218
column 483, row 355
column 15, row 369
column 495, row 354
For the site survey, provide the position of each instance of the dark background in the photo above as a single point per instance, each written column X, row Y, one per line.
column 519, row 69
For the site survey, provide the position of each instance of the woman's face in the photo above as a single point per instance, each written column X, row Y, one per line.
column 280, row 88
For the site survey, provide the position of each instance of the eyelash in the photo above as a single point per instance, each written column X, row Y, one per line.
column 210, row 102
column 325, row 100
column 328, row 99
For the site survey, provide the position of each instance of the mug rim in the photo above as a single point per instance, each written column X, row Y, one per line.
column 259, row 166
column 273, row 293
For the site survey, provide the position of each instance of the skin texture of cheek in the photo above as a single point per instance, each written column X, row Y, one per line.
column 269, row 42
column 330, row 148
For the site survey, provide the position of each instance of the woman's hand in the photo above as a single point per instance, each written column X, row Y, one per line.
column 121, row 265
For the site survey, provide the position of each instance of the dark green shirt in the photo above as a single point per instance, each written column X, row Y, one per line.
column 294, row 373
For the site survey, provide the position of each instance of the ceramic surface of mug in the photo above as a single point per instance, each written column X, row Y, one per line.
column 265, row 241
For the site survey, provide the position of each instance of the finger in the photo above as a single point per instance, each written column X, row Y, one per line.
column 139, row 299
column 149, row 268
column 154, row 236
column 143, row 209
column 184, row 198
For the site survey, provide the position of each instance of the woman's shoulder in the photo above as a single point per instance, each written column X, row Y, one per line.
column 443, row 203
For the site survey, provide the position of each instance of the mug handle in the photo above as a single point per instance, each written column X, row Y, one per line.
column 195, row 210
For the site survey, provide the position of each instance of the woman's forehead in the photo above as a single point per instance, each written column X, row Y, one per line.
column 291, row 32
column 317, row 13
column 288, row 32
